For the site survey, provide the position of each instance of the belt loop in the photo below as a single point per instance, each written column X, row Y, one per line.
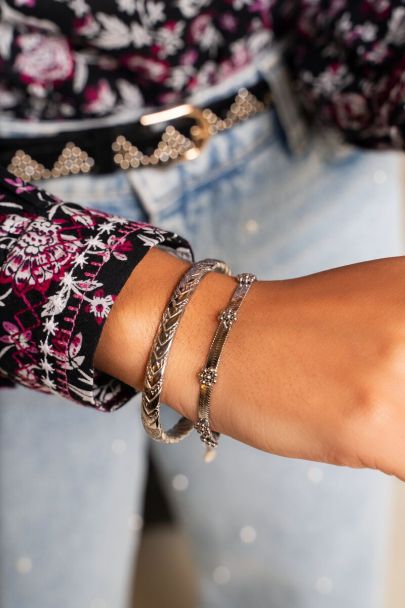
column 272, row 69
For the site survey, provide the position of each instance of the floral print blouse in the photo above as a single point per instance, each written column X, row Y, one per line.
column 69, row 59
column 62, row 267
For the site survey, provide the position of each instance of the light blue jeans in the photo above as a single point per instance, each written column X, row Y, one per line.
column 265, row 531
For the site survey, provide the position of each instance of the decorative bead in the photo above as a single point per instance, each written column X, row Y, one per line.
column 227, row 317
column 246, row 278
column 208, row 376
column 206, row 435
column 72, row 160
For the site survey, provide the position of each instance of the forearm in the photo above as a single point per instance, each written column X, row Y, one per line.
column 313, row 367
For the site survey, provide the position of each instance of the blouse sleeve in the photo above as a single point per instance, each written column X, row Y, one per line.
column 62, row 267
column 348, row 59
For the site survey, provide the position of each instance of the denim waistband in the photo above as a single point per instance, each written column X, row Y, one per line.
column 267, row 65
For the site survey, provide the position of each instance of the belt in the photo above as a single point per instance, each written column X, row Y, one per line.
column 170, row 134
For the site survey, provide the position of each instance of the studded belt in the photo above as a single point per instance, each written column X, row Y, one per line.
column 171, row 134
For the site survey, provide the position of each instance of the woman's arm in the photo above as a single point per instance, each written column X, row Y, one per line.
column 62, row 267
column 314, row 368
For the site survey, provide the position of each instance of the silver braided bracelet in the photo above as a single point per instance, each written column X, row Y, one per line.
column 208, row 375
column 159, row 354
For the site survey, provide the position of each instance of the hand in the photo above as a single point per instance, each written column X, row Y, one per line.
column 318, row 368
column 314, row 368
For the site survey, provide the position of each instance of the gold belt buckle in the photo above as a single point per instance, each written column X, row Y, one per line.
column 173, row 145
column 200, row 132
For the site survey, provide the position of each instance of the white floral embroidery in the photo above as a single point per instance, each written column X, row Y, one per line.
column 190, row 8
column 39, row 254
column 51, row 326
column 104, row 99
column 126, row 6
column 79, row 7
column 54, row 270
column 179, row 76
column 100, row 306
column 13, row 225
column 116, row 34
column 44, row 59
column 396, row 27
column 16, row 336
column 212, row 40
column 6, row 37
column 239, row 4
column 259, row 40
column 130, row 94
column 8, row 99
column 140, row 36
column 81, row 74
column 329, row 80
column 155, row 12
column 169, row 39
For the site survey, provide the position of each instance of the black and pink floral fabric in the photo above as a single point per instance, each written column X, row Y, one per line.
column 62, row 267
column 69, row 59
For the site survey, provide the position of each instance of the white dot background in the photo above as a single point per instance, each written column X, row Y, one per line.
column 180, row 482
column 315, row 475
column 24, row 565
column 221, row 575
column 248, row 534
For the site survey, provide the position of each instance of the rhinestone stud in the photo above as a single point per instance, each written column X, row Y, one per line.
column 206, row 435
column 208, row 376
column 227, row 317
column 246, row 278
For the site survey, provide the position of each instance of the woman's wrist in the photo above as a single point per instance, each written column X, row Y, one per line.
column 257, row 395
column 127, row 336
column 243, row 387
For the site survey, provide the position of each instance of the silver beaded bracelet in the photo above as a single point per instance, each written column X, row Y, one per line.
column 159, row 354
column 208, row 375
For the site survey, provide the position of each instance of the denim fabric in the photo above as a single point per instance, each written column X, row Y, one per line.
column 71, row 482
column 320, row 532
column 265, row 531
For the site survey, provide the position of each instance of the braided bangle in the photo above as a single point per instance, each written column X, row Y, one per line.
column 159, row 354
column 208, row 375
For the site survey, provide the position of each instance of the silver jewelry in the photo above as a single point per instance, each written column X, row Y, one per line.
column 159, row 354
column 208, row 375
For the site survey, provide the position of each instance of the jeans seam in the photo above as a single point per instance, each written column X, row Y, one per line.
column 224, row 168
